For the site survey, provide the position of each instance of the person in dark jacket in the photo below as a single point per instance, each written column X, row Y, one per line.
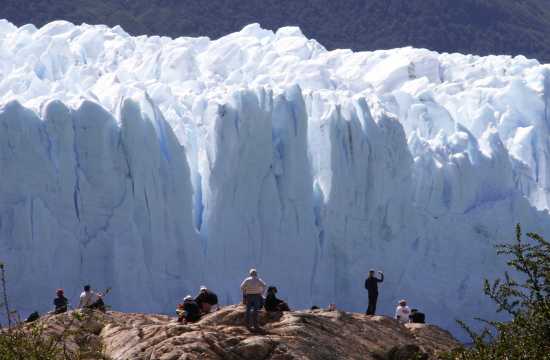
column 32, row 317
column 417, row 317
column 188, row 311
column 272, row 303
column 206, row 300
column 371, row 284
column 61, row 303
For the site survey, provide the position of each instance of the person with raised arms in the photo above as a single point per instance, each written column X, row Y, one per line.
column 371, row 284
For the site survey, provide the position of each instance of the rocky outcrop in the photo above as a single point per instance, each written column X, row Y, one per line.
column 315, row 334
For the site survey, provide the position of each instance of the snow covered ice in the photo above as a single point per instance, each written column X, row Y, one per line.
column 154, row 165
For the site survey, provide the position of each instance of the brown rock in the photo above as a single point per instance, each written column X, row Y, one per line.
column 284, row 336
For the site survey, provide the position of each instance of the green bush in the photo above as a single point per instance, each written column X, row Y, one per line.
column 74, row 337
column 30, row 344
column 527, row 335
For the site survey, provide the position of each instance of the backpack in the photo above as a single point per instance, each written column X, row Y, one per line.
column 33, row 317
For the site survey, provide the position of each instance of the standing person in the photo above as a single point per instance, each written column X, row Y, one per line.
column 87, row 298
column 402, row 312
column 253, row 288
column 206, row 299
column 61, row 303
column 371, row 284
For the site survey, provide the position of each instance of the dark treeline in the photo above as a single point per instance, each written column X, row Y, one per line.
column 467, row 26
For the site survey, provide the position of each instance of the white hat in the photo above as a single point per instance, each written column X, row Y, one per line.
column 188, row 297
column 203, row 288
column 402, row 301
column 253, row 272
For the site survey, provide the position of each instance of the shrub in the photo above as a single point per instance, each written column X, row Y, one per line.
column 527, row 335
column 73, row 335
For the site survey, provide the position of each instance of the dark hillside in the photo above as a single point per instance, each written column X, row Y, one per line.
column 466, row 26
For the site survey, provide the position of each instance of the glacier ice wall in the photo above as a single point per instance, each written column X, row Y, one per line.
column 154, row 165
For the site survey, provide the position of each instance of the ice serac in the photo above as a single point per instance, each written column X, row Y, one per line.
column 363, row 175
column 256, row 184
column 154, row 165
column 85, row 200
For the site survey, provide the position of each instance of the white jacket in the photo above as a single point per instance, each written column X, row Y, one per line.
column 87, row 299
column 402, row 313
column 253, row 285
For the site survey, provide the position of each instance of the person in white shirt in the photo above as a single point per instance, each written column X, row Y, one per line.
column 88, row 298
column 253, row 288
column 402, row 312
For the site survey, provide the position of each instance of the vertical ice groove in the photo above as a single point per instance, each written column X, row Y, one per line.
column 263, row 149
column 546, row 94
column 76, row 188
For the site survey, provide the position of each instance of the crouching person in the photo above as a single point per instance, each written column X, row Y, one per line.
column 188, row 311
column 99, row 304
column 206, row 300
column 417, row 317
column 272, row 303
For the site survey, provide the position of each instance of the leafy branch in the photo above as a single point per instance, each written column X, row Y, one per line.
column 527, row 301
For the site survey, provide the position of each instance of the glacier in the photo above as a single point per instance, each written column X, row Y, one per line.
column 154, row 165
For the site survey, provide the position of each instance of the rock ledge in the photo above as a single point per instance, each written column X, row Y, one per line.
column 315, row 334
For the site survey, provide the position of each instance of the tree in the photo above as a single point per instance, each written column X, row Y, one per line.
column 527, row 335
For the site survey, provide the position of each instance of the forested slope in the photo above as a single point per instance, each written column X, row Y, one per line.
column 466, row 26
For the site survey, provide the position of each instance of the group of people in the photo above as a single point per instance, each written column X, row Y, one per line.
column 191, row 309
column 405, row 315
column 89, row 299
column 402, row 313
column 253, row 289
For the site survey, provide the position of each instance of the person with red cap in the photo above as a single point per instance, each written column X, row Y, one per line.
column 61, row 303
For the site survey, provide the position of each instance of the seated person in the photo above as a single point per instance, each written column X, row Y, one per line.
column 206, row 300
column 91, row 300
column 402, row 312
column 99, row 304
column 32, row 317
column 417, row 317
column 87, row 298
column 272, row 303
column 188, row 311
column 61, row 303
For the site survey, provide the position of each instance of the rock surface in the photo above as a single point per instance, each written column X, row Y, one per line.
column 315, row 334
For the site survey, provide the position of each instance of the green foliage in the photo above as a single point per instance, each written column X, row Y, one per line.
column 75, row 340
column 467, row 26
column 29, row 344
column 73, row 335
column 527, row 300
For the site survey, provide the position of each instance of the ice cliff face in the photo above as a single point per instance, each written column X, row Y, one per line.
column 154, row 165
